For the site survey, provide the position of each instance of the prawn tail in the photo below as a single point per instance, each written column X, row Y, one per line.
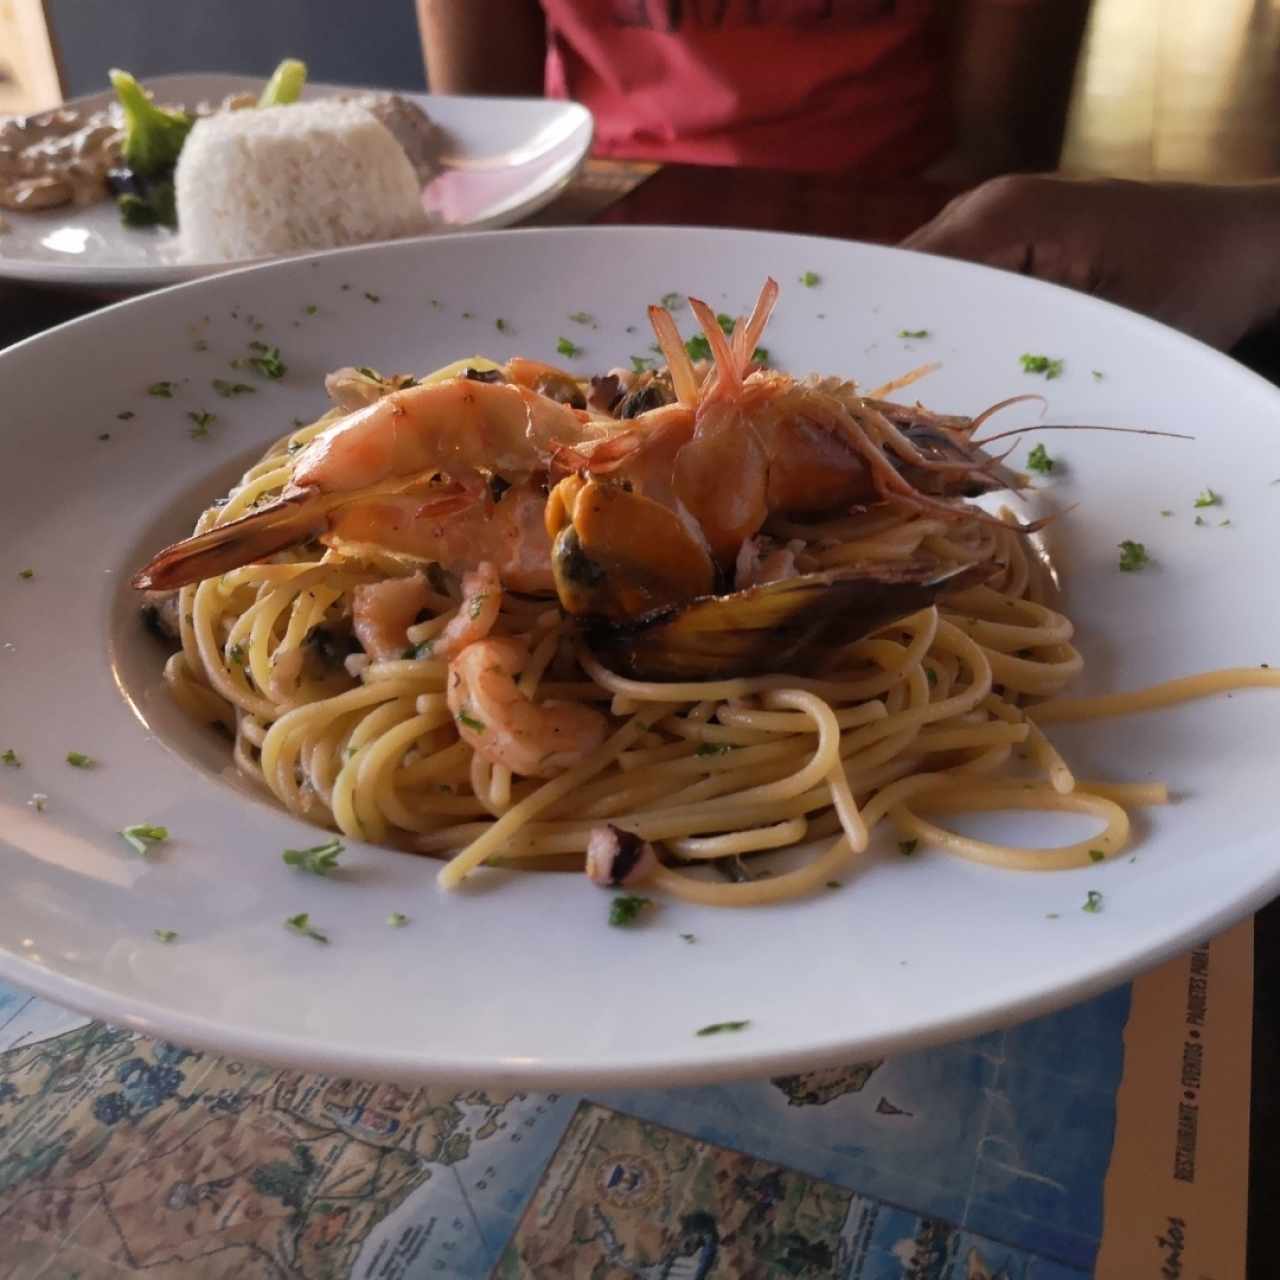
column 289, row 520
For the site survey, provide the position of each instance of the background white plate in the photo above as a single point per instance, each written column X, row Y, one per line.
column 504, row 159
column 519, row 978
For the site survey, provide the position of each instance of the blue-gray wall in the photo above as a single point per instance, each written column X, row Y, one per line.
column 344, row 41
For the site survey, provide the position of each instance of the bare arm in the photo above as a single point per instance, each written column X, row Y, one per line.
column 1013, row 65
column 1204, row 258
column 483, row 46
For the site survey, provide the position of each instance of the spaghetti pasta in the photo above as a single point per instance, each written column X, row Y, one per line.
column 938, row 712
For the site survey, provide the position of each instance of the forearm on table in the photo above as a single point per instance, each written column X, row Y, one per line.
column 1013, row 66
column 1251, row 216
column 483, row 46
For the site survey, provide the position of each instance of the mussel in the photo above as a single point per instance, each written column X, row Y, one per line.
column 778, row 626
column 618, row 555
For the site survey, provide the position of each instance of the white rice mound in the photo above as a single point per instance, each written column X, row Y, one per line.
column 276, row 180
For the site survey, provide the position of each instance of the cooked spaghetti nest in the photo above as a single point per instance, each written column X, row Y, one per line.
column 940, row 712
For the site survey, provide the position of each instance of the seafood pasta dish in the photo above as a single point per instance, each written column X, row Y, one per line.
column 649, row 624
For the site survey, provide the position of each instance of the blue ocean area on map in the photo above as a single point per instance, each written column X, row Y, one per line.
column 979, row 1160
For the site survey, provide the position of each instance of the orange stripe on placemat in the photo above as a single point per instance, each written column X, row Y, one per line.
column 1175, row 1202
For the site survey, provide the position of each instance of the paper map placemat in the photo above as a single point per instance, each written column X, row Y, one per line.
column 1108, row 1140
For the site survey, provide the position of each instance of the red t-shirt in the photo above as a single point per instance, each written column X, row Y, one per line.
column 806, row 85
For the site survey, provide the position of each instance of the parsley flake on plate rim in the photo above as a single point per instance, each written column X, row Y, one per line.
column 627, row 908
column 318, row 860
column 719, row 1028
column 1133, row 556
column 142, row 835
column 301, row 925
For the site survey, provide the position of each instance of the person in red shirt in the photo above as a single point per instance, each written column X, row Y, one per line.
column 959, row 89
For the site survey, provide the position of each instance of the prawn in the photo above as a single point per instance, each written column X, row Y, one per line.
column 493, row 716
column 466, row 430
column 383, row 612
column 742, row 443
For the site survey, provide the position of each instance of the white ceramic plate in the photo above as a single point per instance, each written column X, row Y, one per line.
column 504, row 159
column 519, row 978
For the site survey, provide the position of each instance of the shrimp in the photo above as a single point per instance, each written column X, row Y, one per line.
column 754, row 442
column 481, row 604
column 463, row 429
column 383, row 612
column 492, row 715
column 510, row 532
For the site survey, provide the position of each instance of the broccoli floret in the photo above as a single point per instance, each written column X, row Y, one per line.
column 152, row 136
column 285, row 84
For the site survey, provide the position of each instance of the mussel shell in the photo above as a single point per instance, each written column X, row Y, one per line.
column 779, row 626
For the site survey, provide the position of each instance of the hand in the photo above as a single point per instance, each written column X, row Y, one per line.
column 1205, row 259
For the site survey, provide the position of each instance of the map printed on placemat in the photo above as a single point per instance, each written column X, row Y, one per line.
column 626, row 1197
column 987, row 1159
column 123, row 1155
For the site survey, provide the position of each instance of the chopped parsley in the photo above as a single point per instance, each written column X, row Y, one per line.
column 125, row 414
column 11, row 758
column 78, row 760
column 698, row 347
column 477, row 605
column 162, row 389
column 26, row 574
column 397, row 920
column 267, row 361
column 1166, row 512
column 311, row 308
column 1096, row 855
column 141, row 836
column 1098, row 375
column 1200, row 520
column 913, row 333
column 202, row 423
column 423, row 650
column 715, row 1028
column 1051, row 915
column 672, row 301
column 372, row 297
column 166, row 935
column 235, row 654
column 626, row 909
column 1222, row 524
column 713, row 749
column 1038, row 460
column 566, row 348
column 1208, row 499
column 639, row 364
column 1093, row 902
column 301, row 924
column 810, row 278
column 38, row 801
column 319, row 860
column 931, row 676
column 228, row 389
column 582, row 317
column 689, row 937
column 908, row 847
column 470, row 722
column 1133, row 556
column 1051, row 368
column 500, row 324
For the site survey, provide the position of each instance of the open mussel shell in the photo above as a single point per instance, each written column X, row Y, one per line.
column 779, row 626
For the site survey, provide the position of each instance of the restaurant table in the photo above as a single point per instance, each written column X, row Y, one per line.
column 879, row 211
